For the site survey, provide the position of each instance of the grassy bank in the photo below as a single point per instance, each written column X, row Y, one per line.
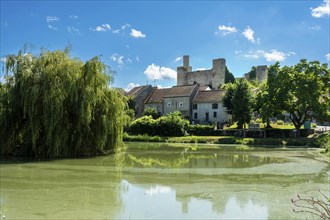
column 302, row 142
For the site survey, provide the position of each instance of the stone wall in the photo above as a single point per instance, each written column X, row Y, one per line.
column 212, row 77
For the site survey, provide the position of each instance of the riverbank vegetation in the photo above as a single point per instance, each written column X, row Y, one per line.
column 278, row 142
column 52, row 105
column 300, row 91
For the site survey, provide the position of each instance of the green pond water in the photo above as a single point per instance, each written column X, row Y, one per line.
column 158, row 181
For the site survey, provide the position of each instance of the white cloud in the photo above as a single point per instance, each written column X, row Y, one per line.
column 52, row 18
column 117, row 59
column 200, row 69
column 154, row 72
column 275, row 55
column 103, row 27
column 124, row 27
column 271, row 56
column 248, row 33
column 116, row 31
column 178, row 59
column 315, row 28
column 225, row 30
column 321, row 10
column 137, row 34
column 327, row 56
column 129, row 60
column 74, row 30
column 163, row 87
column 73, row 16
column 137, row 59
column 3, row 59
column 131, row 86
column 52, row 27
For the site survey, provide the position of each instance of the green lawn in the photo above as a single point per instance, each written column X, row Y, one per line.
column 284, row 126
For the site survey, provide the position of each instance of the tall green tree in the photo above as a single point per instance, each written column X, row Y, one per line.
column 242, row 101
column 227, row 99
column 229, row 76
column 303, row 91
column 266, row 98
column 53, row 105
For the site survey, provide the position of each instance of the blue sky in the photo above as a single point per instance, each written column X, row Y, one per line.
column 143, row 41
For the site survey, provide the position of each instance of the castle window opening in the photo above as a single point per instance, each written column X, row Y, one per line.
column 215, row 106
column 180, row 104
column 169, row 104
column 214, row 114
column 195, row 115
column 195, row 106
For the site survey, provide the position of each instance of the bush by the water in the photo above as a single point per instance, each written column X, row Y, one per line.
column 201, row 130
column 172, row 124
column 52, row 105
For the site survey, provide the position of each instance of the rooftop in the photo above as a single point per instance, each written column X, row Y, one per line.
column 211, row 96
column 176, row 91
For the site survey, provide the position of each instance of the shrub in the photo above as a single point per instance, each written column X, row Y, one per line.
column 143, row 125
column 201, row 130
column 170, row 125
column 280, row 122
column 258, row 120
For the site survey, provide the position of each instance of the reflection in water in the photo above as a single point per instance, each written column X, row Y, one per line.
column 153, row 202
column 234, row 210
column 163, row 182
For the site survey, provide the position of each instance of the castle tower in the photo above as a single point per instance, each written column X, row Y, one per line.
column 182, row 78
column 261, row 73
column 218, row 72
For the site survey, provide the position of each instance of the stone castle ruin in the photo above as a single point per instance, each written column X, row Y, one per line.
column 258, row 73
column 213, row 77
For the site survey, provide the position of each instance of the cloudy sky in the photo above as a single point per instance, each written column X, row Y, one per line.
column 143, row 41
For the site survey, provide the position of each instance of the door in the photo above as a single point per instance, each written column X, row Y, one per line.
column 206, row 116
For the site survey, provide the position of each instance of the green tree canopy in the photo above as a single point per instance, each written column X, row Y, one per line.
column 52, row 105
column 229, row 77
column 227, row 100
column 302, row 91
column 242, row 103
column 151, row 112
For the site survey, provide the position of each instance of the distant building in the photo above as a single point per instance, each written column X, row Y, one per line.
column 139, row 95
column 258, row 73
column 213, row 77
column 207, row 108
column 177, row 98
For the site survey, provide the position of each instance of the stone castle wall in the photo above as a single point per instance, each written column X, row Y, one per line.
column 212, row 77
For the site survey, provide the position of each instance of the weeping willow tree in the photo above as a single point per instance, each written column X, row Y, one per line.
column 54, row 106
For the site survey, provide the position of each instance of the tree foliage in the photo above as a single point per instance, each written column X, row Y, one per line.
column 172, row 124
column 302, row 91
column 227, row 100
column 54, row 106
column 229, row 77
column 151, row 111
column 242, row 101
column 238, row 101
column 266, row 98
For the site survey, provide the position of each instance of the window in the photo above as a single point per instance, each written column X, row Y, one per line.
column 169, row 104
column 195, row 115
column 214, row 114
column 194, row 106
column 215, row 106
column 180, row 104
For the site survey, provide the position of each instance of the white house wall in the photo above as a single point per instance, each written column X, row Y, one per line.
column 202, row 108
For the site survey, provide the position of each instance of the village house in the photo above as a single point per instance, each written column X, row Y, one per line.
column 177, row 98
column 138, row 95
column 207, row 108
